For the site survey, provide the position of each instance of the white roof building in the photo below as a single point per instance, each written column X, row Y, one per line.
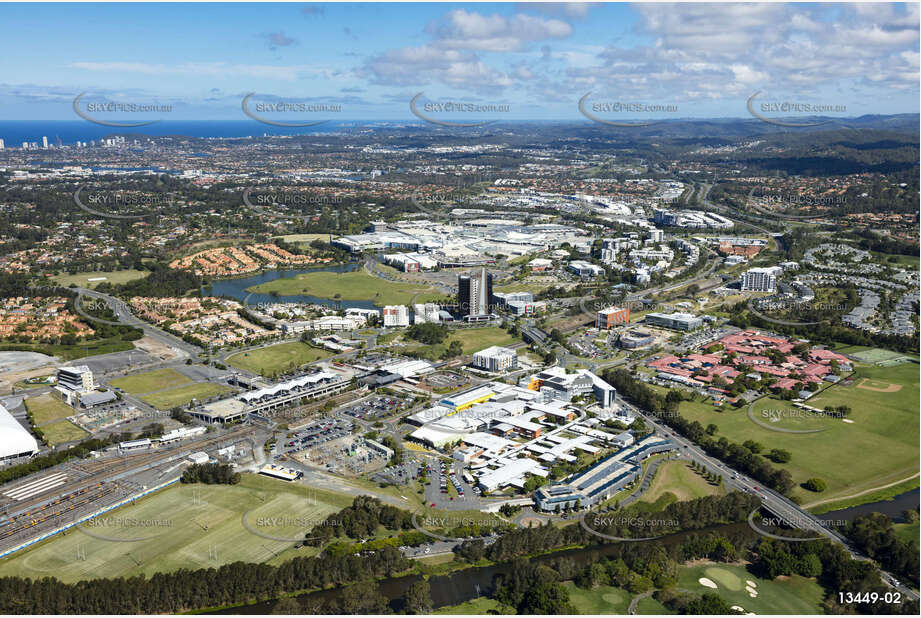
column 510, row 472
column 15, row 440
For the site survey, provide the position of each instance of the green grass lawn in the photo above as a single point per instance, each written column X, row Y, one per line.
column 472, row 339
column 168, row 399
column 884, row 424
column 60, row 432
column 600, row 600
column 50, row 414
column 478, row 606
column 357, row 285
column 789, row 595
column 304, row 238
column 649, row 606
column 46, row 408
column 149, row 381
column 180, row 532
column 908, row 532
column 278, row 358
column 677, row 478
column 115, row 277
column 84, row 349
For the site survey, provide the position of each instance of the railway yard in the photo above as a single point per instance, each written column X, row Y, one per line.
column 56, row 499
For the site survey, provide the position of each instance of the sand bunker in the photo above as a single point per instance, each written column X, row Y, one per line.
column 751, row 592
column 706, row 581
column 738, row 608
column 751, row 583
column 847, row 420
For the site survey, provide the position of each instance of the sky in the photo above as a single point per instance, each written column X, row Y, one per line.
column 524, row 61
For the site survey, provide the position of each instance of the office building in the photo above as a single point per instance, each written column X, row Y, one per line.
column 496, row 359
column 607, row 318
column 396, row 315
column 78, row 379
column 475, row 296
column 45, row 142
column 2, row 145
column 555, row 383
column 677, row 321
column 760, row 279
column 428, row 312
column 585, row 269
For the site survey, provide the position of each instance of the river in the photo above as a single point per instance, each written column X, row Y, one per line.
column 467, row 584
column 236, row 288
column 893, row 508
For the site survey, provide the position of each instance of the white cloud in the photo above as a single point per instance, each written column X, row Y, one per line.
column 213, row 69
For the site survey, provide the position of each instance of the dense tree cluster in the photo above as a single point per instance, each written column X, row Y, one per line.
column 874, row 535
column 532, row 589
column 360, row 521
column 210, row 474
column 162, row 281
column 835, row 569
column 185, row 589
column 428, row 333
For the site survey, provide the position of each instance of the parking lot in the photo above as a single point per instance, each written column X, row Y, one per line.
column 375, row 407
column 585, row 345
column 400, row 475
column 318, row 432
column 445, row 379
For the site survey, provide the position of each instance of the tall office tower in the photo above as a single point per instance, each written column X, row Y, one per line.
column 45, row 142
column 474, row 295
column 2, row 145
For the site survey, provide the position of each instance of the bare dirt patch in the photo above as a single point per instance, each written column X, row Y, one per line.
column 867, row 385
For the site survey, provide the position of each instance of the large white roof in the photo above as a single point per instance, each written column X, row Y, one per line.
column 14, row 439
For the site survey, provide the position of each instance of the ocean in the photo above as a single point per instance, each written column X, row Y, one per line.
column 14, row 132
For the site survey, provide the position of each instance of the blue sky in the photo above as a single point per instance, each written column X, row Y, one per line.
column 538, row 59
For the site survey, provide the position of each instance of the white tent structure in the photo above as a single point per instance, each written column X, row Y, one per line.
column 15, row 440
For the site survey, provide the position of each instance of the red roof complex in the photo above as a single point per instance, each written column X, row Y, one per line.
column 755, row 352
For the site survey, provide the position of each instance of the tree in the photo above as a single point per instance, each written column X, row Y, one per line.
column 363, row 598
column 753, row 446
column 815, row 484
column 455, row 348
column 418, row 597
column 779, row 455
column 712, row 429
column 287, row 605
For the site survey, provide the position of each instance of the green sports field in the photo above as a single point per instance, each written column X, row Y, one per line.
column 276, row 359
column 792, row 595
column 183, row 527
column 357, row 285
column 884, row 424
column 150, row 381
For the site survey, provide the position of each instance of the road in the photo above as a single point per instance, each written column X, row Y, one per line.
column 182, row 348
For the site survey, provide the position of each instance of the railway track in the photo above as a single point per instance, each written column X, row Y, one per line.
column 96, row 473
